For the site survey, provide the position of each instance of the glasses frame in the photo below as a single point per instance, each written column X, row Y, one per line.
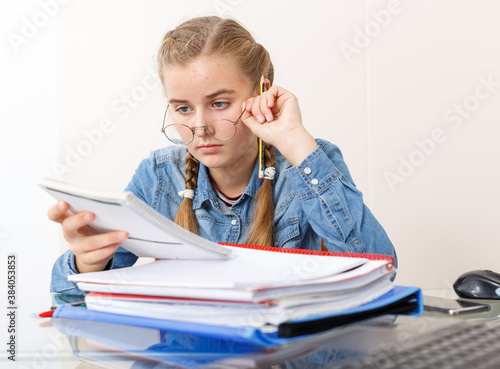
column 164, row 127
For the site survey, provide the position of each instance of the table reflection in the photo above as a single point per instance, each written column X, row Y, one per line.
column 98, row 342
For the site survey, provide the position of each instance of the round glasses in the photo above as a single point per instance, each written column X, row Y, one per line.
column 219, row 129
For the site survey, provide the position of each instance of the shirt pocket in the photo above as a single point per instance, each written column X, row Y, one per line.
column 355, row 247
column 288, row 233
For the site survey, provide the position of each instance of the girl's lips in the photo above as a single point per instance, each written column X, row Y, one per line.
column 209, row 149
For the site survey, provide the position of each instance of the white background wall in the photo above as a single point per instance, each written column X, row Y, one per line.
column 410, row 106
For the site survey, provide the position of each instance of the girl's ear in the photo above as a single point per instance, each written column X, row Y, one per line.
column 267, row 83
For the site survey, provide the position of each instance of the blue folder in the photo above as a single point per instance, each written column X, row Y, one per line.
column 400, row 300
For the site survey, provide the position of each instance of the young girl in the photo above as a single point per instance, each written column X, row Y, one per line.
column 211, row 70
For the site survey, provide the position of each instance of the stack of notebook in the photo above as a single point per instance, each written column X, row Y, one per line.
column 262, row 295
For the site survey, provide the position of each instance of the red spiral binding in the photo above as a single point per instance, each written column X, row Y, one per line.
column 388, row 258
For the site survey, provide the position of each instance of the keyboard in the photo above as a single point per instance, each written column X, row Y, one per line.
column 473, row 346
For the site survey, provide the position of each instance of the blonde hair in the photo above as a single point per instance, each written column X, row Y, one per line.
column 214, row 36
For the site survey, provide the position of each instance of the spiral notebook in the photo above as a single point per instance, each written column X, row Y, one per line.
column 387, row 258
column 252, row 275
column 150, row 233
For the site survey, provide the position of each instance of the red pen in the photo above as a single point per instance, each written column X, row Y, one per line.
column 46, row 314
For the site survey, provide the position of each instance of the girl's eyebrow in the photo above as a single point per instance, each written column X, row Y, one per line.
column 222, row 91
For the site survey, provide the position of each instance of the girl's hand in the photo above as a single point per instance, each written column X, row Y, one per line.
column 92, row 250
column 275, row 117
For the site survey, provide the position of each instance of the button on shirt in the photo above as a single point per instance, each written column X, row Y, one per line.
column 314, row 200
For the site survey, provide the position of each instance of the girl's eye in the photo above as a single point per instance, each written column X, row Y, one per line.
column 182, row 109
column 221, row 104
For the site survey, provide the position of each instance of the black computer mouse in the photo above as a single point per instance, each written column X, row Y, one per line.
column 478, row 284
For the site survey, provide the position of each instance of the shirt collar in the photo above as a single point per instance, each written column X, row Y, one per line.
column 205, row 191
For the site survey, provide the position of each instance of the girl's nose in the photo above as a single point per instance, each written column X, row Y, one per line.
column 201, row 121
column 199, row 131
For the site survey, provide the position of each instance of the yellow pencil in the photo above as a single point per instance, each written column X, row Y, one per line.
column 261, row 144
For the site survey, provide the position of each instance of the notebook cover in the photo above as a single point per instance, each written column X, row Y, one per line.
column 388, row 258
column 151, row 234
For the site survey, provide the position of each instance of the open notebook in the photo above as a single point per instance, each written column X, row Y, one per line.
column 150, row 233
column 252, row 275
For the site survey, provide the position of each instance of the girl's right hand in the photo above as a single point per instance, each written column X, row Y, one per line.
column 92, row 250
column 282, row 126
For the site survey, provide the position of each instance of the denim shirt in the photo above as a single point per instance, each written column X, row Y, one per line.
column 314, row 200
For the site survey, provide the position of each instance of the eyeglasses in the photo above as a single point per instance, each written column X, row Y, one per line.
column 219, row 129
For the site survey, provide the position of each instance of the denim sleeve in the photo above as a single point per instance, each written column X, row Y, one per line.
column 65, row 266
column 334, row 206
column 144, row 182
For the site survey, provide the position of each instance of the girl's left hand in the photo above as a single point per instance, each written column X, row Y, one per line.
column 275, row 117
